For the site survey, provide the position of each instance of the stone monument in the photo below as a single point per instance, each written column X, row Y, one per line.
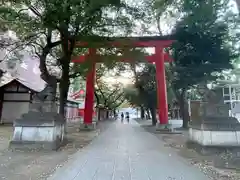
column 42, row 127
column 214, row 127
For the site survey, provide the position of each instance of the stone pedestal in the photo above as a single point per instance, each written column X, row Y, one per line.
column 163, row 127
column 42, row 127
column 94, row 120
column 38, row 130
column 166, row 129
column 214, row 127
column 88, row 127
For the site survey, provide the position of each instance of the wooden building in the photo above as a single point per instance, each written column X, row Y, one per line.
column 15, row 98
column 71, row 111
column 14, row 101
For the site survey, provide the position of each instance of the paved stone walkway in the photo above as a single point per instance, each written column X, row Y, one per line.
column 127, row 152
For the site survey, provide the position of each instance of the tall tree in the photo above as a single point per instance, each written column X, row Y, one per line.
column 144, row 92
column 108, row 95
column 146, row 85
column 47, row 25
column 200, row 49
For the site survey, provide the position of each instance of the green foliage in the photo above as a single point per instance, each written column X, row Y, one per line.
column 109, row 96
column 204, row 47
column 67, row 21
column 56, row 25
column 200, row 48
column 146, row 85
column 78, row 84
column 132, row 95
column 144, row 91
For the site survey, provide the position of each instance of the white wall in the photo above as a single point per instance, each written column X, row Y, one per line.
column 17, row 96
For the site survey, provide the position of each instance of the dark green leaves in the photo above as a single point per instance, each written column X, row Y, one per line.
column 200, row 48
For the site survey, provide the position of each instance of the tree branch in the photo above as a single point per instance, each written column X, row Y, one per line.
column 97, row 98
column 35, row 11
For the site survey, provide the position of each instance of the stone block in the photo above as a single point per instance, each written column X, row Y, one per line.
column 215, row 138
column 33, row 145
column 205, row 137
column 227, row 138
column 238, row 136
column 93, row 120
column 213, row 127
column 88, row 127
column 36, row 130
column 190, row 136
column 165, row 129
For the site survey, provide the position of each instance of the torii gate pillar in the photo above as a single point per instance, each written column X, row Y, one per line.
column 161, row 86
column 88, row 123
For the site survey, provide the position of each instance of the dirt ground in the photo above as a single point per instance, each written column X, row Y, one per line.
column 16, row 165
column 211, row 164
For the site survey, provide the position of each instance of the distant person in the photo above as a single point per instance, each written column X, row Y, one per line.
column 116, row 116
column 122, row 116
column 127, row 116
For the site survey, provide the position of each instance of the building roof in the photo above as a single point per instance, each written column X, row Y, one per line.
column 233, row 85
column 25, row 72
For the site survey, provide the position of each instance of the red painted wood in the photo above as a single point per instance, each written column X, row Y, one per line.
column 161, row 87
column 89, row 98
column 128, row 43
column 150, row 59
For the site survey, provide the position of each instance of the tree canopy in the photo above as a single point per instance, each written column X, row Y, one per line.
column 108, row 95
column 202, row 47
column 205, row 34
column 54, row 27
column 144, row 92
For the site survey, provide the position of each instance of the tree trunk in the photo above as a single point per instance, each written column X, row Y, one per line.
column 184, row 110
column 67, row 45
column 64, row 85
column 98, row 113
column 97, row 98
column 142, row 112
column 63, row 89
column 153, row 114
column 148, row 113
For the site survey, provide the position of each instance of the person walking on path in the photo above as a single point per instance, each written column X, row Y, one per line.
column 122, row 117
column 127, row 116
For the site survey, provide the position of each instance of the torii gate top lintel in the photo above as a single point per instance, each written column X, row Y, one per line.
column 143, row 41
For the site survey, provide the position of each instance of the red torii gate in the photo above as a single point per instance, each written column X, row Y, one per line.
column 158, row 42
